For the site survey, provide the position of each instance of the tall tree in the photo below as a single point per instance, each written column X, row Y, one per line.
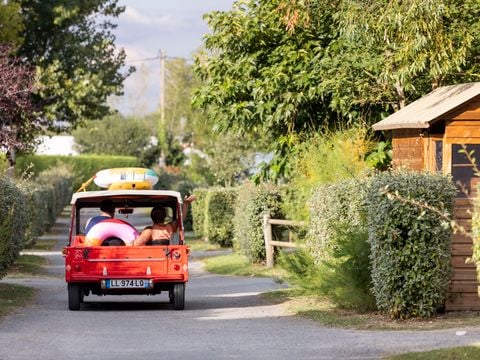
column 392, row 52
column 17, row 120
column 71, row 46
column 259, row 77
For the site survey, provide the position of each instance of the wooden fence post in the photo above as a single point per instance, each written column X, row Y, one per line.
column 267, row 232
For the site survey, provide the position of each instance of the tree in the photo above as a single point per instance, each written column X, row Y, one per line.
column 260, row 78
column 71, row 47
column 115, row 135
column 17, row 120
column 231, row 158
column 389, row 53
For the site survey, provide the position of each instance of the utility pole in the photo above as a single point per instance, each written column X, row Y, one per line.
column 162, row 138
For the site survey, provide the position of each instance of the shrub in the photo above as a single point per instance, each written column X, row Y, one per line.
column 83, row 166
column 37, row 209
column 12, row 222
column 326, row 158
column 252, row 202
column 332, row 207
column 220, row 210
column 198, row 211
column 410, row 243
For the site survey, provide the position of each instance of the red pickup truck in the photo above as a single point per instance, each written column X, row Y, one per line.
column 109, row 264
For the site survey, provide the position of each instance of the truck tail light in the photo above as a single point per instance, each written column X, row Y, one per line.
column 176, row 267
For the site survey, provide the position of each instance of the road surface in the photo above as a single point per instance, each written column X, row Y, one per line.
column 225, row 318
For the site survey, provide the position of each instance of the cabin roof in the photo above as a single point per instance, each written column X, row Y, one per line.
column 422, row 112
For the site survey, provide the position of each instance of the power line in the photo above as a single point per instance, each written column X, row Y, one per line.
column 158, row 57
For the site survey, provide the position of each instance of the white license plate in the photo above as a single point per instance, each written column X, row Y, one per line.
column 127, row 284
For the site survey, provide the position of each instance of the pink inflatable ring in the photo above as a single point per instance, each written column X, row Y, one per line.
column 111, row 228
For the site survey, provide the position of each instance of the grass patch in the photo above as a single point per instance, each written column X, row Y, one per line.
column 463, row 352
column 196, row 244
column 30, row 265
column 14, row 296
column 42, row 245
column 324, row 312
column 235, row 264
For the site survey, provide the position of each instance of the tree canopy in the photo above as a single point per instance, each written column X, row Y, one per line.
column 291, row 68
column 69, row 48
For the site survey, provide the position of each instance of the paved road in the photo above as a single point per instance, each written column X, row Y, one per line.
column 225, row 318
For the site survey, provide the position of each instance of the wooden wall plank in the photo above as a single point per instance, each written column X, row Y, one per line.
column 462, row 302
column 463, row 131
column 462, row 249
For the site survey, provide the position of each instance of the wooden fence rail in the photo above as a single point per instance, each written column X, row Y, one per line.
column 269, row 242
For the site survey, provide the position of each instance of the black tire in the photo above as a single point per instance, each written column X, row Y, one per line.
column 74, row 297
column 179, row 296
column 170, row 295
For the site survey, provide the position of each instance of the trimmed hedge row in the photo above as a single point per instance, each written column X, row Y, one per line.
column 83, row 166
column 333, row 207
column 198, row 211
column 252, row 202
column 13, row 217
column 410, row 244
column 28, row 209
column 219, row 212
column 409, row 239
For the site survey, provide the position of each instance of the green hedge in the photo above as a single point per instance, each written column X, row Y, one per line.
column 198, row 211
column 337, row 241
column 333, row 207
column 410, row 243
column 83, row 166
column 12, row 222
column 252, row 202
column 219, row 213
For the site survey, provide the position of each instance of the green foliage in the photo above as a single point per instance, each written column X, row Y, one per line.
column 83, row 166
column 389, row 53
column 199, row 208
column 259, row 77
column 344, row 278
column 333, row 207
column 476, row 232
column 116, row 135
column 410, row 242
column 12, row 223
column 73, row 48
column 46, row 196
column 252, row 202
column 230, row 158
column 380, row 158
column 12, row 23
column 324, row 158
column 219, row 213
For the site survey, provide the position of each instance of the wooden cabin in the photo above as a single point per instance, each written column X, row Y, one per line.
column 427, row 135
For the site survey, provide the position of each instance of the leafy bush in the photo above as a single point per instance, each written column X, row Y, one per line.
column 332, row 207
column 410, row 243
column 83, row 166
column 46, row 196
column 326, row 158
column 12, row 222
column 337, row 247
column 252, row 202
column 220, row 210
column 199, row 208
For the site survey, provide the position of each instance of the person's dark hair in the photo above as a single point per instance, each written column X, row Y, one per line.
column 158, row 214
column 107, row 206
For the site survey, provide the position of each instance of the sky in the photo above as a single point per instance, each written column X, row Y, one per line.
column 146, row 26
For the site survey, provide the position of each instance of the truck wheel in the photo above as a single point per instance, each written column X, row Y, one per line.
column 170, row 295
column 74, row 297
column 179, row 296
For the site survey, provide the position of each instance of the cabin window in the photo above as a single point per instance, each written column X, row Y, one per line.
column 439, row 156
column 463, row 170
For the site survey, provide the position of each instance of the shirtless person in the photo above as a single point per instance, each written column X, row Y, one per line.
column 160, row 233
